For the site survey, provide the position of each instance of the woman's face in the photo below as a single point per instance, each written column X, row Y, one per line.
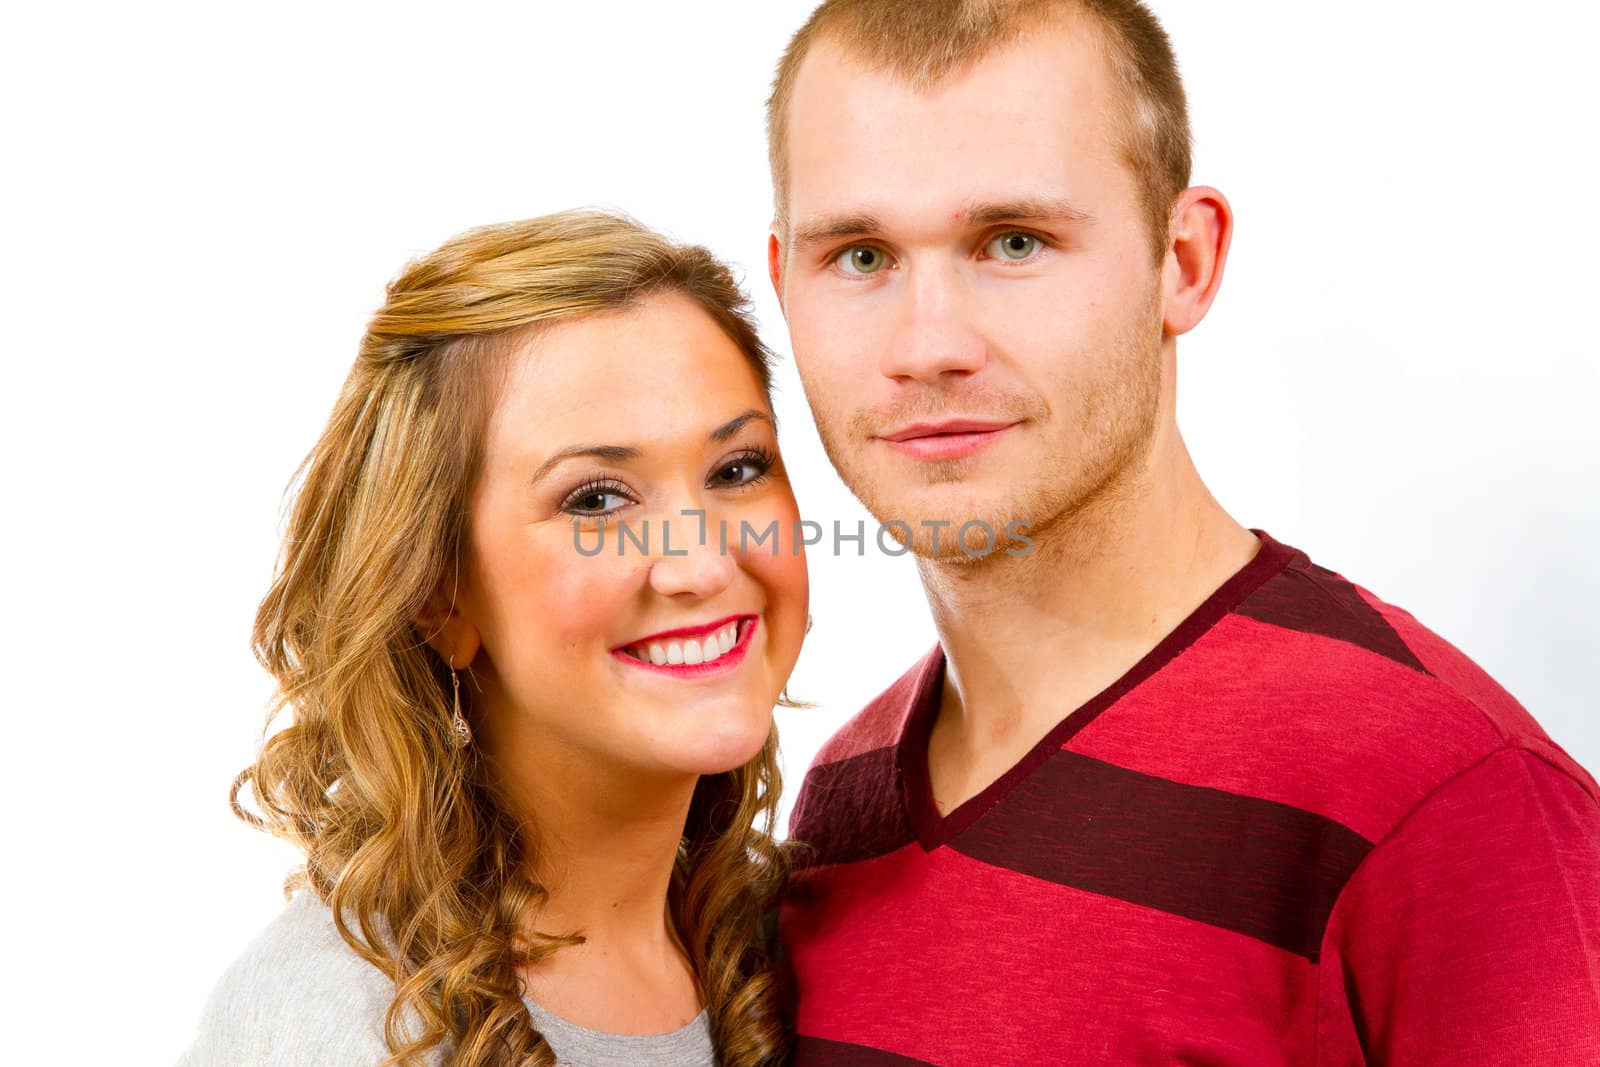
column 620, row 659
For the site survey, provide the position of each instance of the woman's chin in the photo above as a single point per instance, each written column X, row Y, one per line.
column 714, row 748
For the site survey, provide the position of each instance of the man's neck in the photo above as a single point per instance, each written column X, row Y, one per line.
column 1030, row 638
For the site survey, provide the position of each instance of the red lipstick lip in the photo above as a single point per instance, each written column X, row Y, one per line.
column 685, row 631
column 723, row 664
column 931, row 429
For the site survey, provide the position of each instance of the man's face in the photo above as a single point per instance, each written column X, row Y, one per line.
column 973, row 252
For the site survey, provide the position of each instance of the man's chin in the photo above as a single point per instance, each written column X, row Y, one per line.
column 983, row 541
column 949, row 535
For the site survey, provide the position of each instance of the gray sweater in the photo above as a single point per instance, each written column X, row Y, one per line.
column 299, row 996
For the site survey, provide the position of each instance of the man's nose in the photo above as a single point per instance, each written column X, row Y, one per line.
column 934, row 332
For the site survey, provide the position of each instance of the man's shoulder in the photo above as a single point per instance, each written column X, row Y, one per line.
column 849, row 807
column 298, row 994
column 877, row 726
column 1316, row 630
column 1318, row 692
column 1449, row 692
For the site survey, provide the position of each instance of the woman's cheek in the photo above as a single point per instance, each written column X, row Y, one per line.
column 784, row 576
column 555, row 603
column 581, row 598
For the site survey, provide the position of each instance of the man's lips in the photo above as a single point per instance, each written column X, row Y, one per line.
column 948, row 426
column 949, row 439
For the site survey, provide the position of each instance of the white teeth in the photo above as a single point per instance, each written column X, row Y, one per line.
column 713, row 646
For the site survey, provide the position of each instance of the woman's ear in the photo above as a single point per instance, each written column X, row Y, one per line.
column 445, row 629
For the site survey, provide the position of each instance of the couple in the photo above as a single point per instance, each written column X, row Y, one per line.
column 1166, row 791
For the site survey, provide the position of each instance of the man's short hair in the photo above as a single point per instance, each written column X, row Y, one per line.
column 924, row 41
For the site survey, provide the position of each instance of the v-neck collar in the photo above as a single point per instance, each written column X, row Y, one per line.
column 933, row 829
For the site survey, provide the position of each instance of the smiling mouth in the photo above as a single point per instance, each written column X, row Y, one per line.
column 726, row 643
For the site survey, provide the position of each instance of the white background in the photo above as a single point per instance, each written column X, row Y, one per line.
column 203, row 202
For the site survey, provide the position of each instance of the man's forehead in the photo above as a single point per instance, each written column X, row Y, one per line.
column 865, row 144
column 1062, row 56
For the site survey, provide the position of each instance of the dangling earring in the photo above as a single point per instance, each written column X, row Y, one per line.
column 458, row 722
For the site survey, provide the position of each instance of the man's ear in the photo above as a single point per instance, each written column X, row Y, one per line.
column 1201, row 230
column 775, row 265
column 446, row 630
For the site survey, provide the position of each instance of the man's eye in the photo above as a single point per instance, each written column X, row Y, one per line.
column 862, row 259
column 1013, row 246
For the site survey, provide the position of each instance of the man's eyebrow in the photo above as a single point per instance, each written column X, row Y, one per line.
column 1030, row 209
column 624, row 453
column 828, row 228
column 833, row 227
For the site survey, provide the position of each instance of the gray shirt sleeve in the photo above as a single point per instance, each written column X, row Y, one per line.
column 298, row 996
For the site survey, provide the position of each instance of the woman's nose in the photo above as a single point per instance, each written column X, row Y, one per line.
column 690, row 561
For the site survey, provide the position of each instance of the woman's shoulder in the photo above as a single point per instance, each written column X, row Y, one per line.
column 297, row 996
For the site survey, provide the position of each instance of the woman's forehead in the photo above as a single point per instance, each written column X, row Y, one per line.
column 660, row 371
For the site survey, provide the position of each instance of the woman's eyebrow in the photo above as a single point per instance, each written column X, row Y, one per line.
column 609, row 453
column 624, row 453
column 732, row 426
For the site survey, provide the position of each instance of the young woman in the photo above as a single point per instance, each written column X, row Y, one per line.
column 533, row 778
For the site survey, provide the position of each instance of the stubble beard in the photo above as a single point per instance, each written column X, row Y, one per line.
column 1071, row 491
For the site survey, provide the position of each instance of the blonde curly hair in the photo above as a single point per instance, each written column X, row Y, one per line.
column 404, row 835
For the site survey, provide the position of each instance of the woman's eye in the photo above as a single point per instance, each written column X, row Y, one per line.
column 594, row 501
column 744, row 470
column 862, row 259
column 1013, row 246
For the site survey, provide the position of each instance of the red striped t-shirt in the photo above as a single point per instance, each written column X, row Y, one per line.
column 1302, row 830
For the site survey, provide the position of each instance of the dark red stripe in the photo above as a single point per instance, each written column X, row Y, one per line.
column 1315, row 600
column 944, row 957
column 1260, row 868
column 820, row 1052
column 850, row 810
column 933, row 830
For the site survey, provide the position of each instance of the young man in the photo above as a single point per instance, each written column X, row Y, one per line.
column 1166, row 791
